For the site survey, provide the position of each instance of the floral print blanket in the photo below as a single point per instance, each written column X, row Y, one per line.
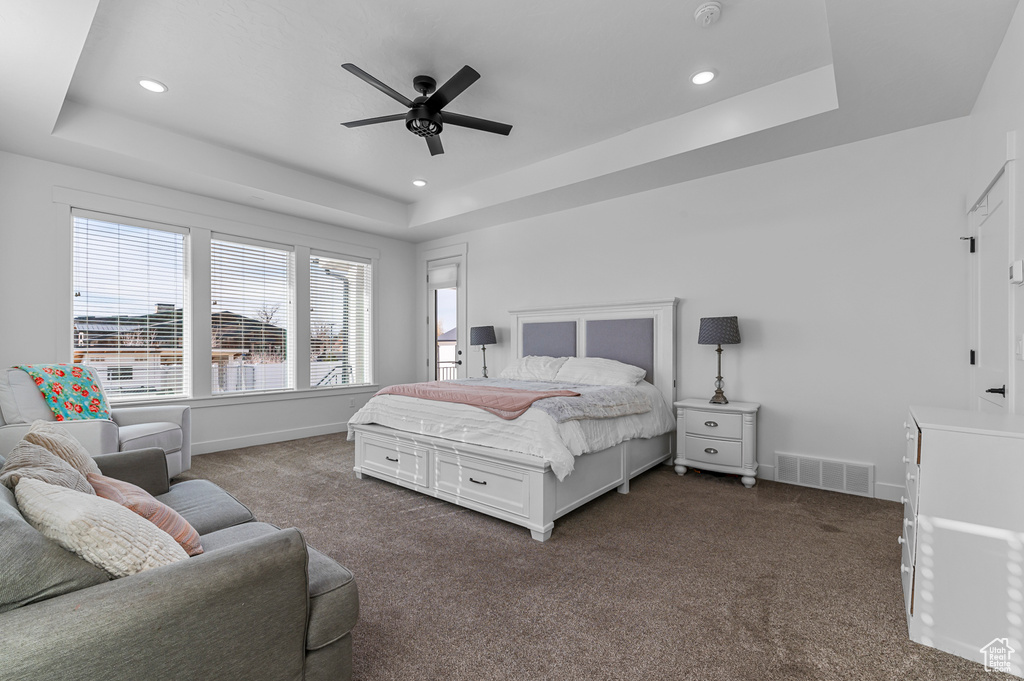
column 71, row 390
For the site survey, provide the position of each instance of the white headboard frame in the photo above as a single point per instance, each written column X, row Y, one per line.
column 661, row 312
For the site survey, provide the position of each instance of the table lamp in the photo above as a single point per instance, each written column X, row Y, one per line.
column 482, row 336
column 719, row 331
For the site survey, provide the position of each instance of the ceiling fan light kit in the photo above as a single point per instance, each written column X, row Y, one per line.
column 425, row 117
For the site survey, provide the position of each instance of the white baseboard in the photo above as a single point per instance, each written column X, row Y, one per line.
column 765, row 472
column 889, row 491
column 210, row 446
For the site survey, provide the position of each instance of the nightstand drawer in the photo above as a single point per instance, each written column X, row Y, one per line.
column 714, row 424
column 719, row 452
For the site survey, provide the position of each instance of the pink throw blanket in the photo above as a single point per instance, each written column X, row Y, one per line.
column 508, row 403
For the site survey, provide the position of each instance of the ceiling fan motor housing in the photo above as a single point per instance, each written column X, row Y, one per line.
column 423, row 122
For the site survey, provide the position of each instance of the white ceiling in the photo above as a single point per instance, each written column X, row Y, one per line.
column 597, row 92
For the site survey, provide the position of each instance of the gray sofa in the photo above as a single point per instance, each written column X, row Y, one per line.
column 256, row 604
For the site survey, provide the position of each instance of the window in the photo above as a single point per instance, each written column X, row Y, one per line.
column 129, row 305
column 251, row 321
column 339, row 318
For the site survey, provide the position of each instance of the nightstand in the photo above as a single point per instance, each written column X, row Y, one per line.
column 717, row 437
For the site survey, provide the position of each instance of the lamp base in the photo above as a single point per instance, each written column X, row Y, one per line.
column 718, row 398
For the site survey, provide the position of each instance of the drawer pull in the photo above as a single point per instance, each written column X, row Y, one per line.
column 910, row 436
column 390, row 459
column 905, row 569
column 910, row 477
column 710, row 450
column 710, row 424
column 479, row 482
column 907, row 522
column 900, row 539
column 906, row 459
column 904, row 500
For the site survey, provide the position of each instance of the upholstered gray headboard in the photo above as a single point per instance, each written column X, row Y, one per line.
column 641, row 334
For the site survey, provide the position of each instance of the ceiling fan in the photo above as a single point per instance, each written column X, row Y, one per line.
column 425, row 116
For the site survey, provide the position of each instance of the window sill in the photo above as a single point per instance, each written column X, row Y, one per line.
column 227, row 399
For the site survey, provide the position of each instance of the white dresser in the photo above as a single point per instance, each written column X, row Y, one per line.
column 717, row 437
column 963, row 535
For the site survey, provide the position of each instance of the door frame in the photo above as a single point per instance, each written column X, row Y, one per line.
column 456, row 253
column 1006, row 172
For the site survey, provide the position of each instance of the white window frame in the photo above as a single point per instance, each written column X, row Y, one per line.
column 289, row 315
column 367, row 346
column 188, row 356
column 275, row 230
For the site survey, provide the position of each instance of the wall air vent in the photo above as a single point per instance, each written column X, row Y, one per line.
column 839, row 476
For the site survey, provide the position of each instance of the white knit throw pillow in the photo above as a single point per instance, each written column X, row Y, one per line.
column 100, row 531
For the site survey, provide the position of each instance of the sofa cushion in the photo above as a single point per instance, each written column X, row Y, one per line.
column 27, row 460
column 165, row 435
column 101, row 531
column 205, row 506
column 333, row 598
column 20, row 399
column 142, row 502
column 60, row 442
column 33, row 567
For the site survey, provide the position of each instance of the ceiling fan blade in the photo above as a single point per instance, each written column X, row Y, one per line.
column 434, row 144
column 452, row 89
column 450, row 118
column 389, row 91
column 371, row 121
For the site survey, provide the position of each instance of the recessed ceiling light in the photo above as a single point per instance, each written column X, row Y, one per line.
column 702, row 77
column 153, row 85
column 420, row 183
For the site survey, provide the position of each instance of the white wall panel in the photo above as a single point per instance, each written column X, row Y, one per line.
column 844, row 267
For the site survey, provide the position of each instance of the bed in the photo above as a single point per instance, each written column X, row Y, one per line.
column 529, row 488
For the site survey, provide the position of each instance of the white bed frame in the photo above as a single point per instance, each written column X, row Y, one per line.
column 516, row 487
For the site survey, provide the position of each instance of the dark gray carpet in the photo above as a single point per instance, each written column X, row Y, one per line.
column 691, row 577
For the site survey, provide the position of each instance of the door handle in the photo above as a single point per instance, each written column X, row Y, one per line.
column 997, row 391
column 458, row 361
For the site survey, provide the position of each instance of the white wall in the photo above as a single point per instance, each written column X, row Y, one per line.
column 844, row 267
column 35, row 305
column 999, row 112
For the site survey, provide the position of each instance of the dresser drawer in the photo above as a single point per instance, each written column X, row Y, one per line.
column 907, row 576
column 395, row 461
column 495, row 486
column 910, row 528
column 911, row 476
column 719, row 452
column 712, row 424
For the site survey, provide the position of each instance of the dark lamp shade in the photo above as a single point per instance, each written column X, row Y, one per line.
column 719, row 331
column 482, row 335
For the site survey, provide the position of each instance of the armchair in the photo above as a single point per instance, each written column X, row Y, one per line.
column 168, row 427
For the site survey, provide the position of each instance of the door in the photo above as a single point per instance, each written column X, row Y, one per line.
column 446, row 339
column 991, row 226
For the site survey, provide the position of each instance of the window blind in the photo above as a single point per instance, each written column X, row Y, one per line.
column 129, row 306
column 250, row 295
column 339, row 317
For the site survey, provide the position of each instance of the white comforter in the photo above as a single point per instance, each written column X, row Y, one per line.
column 535, row 432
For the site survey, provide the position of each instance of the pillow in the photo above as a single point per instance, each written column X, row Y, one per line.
column 27, row 460
column 34, row 568
column 531, row 368
column 100, row 531
column 599, row 371
column 142, row 502
column 60, row 442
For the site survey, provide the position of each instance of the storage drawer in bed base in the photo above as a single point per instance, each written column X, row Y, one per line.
column 515, row 487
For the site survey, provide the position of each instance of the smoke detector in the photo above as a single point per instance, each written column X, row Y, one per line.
column 707, row 14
